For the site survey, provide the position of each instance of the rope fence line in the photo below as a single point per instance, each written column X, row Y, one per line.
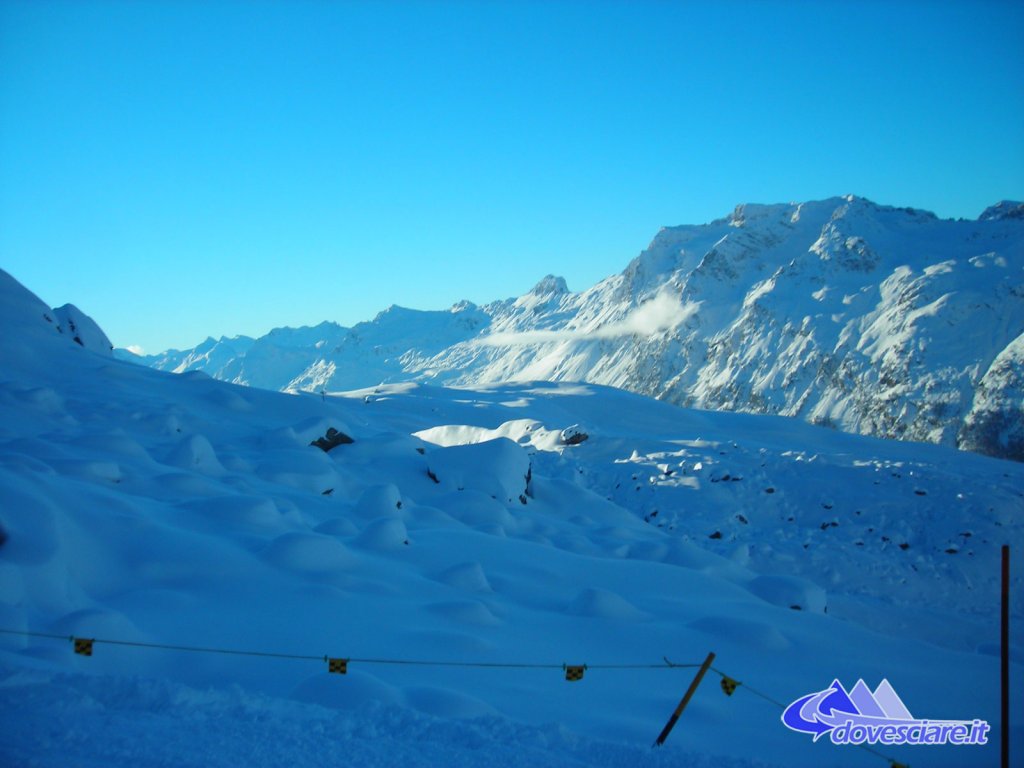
column 82, row 643
column 339, row 665
column 729, row 685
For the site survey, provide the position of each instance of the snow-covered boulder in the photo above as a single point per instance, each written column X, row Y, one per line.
column 500, row 468
column 574, row 435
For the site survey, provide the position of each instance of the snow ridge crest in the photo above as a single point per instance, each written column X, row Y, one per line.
column 842, row 312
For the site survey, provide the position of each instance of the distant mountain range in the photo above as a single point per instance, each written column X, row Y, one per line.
column 871, row 319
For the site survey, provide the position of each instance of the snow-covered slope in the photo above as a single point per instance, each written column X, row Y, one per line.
column 870, row 319
column 995, row 424
column 25, row 320
column 460, row 527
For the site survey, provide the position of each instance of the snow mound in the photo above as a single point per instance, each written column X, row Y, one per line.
column 380, row 501
column 471, row 612
column 196, row 453
column 28, row 519
column 603, row 604
column 354, row 691
column 441, row 702
column 522, row 431
column 468, row 576
column 310, row 553
column 310, row 470
column 500, row 468
column 338, row 526
column 237, row 511
column 384, row 534
column 790, row 592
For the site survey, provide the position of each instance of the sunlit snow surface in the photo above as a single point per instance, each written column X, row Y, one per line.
column 876, row 320
column 175, row 509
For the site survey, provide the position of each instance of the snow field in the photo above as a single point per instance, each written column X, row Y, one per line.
column 177, row 510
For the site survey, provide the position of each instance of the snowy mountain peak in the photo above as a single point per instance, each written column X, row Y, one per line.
column 869, row 318
column 749, row 213
column 1005, row 209
column 549, row 285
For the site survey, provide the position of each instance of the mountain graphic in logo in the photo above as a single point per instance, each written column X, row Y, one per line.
column 861, row 715
column 820, row 712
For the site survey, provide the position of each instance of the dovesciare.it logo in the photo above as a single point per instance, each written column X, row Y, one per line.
column 860, row 716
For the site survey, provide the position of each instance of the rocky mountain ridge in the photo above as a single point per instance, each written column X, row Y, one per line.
column 868, row 318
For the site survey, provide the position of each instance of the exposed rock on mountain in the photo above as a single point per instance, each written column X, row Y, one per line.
column 876, row 320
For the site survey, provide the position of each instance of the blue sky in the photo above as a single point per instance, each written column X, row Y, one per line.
column 181, row 169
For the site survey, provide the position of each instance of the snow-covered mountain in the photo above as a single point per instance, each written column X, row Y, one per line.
column 189, row 525
column 392, row 347
column 875, row 320
column 263, row 362
column 25, row 319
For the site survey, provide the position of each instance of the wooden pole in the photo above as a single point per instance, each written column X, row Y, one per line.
column 685, row 700
column 1004, row 676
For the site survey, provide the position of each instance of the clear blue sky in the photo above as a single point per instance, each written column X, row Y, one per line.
column 183, row 169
